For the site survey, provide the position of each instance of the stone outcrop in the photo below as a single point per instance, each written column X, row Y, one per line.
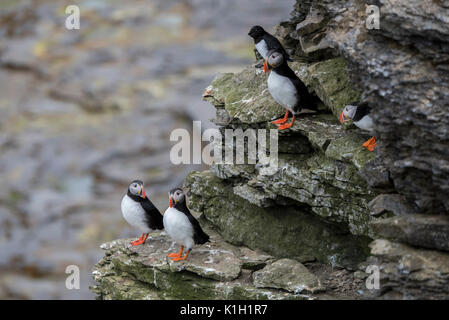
column 410, row 273
column 281, row 230
column 216, row 270
column 416, row 229
column 402, row 71
column 328, row 198
column 289, row 275
column 315, row 203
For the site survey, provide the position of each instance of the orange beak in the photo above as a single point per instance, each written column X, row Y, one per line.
column 265, row 66
column 171, row 202
column 341, row 117
column 143, row 195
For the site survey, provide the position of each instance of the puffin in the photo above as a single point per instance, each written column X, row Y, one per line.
column 181, row 225
column 140, row 212
column 265, row 42
column 286, row 88
column 360, row 115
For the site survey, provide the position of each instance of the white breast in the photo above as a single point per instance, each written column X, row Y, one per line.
column 366, row 123
column 261, row 46
column 178, row 227
column 282, row 90
column 134, row 214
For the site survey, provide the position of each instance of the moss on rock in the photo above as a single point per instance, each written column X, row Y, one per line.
column 283, row 231
column 213, row 271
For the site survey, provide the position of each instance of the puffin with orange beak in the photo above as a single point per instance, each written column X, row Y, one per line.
column 286, row 88
column 140, row 212
column 182, row 226
column 360, row 115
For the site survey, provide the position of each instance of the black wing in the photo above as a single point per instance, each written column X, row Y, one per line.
column 273, row 43
column 153, row 216
column 305, row 100
column 362, row 110
column 199, row 236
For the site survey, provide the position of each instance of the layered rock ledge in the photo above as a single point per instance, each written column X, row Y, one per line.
column 314, row 206
column 216, row 270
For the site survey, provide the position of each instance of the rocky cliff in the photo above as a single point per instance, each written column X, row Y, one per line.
column 329, row 203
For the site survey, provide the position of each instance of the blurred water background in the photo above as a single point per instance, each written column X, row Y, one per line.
column 84, row 112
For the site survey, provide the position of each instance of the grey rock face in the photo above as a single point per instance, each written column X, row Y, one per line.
column 402, row 71
column 416, row 229
column 410, row 273
column 319, row 161
column 289, row 275
column 216, row 270
column 391, row 203
column 284, row 230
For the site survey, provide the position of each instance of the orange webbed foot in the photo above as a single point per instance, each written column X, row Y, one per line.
column 282, row 120
column 137, row 242
column 141, row 240
column 181, row 258
column 279, row 121
column 287, row 125
column 370, row 144
column 176, row 255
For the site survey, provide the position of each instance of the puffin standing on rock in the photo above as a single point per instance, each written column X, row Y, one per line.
column 286, row 88
column 181, row 225
column 360, row 115
column 140, row 212
column 265, row 42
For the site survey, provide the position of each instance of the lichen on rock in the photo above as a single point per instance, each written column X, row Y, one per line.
column 289, row 275
column 283, row 231
column 213, row 271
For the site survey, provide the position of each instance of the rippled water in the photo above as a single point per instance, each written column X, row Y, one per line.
column 84, row 112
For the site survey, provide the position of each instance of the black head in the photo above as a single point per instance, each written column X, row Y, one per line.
column 256, row 32
column 176, row 196
column 136, row 188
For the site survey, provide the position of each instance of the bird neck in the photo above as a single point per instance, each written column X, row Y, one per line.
column 181, row 206
column 284, row 70
column 136, row 198
column 258, row 38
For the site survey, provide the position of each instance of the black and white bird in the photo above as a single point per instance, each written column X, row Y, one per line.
column 286, row 88
column 181, row 225
column 360, row 115
column 140, row 212
column 265, row 42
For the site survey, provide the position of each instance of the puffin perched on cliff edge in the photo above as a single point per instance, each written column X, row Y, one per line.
column 265, row 42
column 360, row 115
column 286, row 88
column 140, row 212
column 181, row 225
